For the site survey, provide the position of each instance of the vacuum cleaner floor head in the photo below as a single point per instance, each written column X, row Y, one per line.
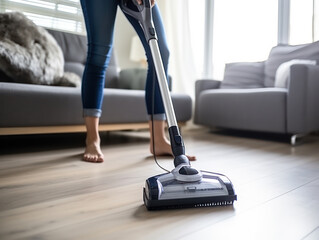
column 165, row 192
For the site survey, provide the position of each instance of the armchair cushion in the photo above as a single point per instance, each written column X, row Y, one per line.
column 243, row 75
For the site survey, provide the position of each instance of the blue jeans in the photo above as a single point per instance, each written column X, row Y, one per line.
column 99, row 18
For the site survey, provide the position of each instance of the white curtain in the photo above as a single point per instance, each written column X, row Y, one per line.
column 181, row 66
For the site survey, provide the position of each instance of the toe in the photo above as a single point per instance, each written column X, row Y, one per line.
column 100, row 159
column 85, row 157
column 191, row 158
column 88, row 158
column 93, row 158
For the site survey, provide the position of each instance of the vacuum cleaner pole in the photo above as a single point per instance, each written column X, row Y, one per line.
column 162, row 81
column 176, row 140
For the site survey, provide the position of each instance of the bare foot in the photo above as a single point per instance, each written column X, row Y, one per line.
column 164, row 149
column 162, row 144
column 93, row 152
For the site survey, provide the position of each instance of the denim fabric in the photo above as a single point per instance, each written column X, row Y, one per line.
column 99, row 18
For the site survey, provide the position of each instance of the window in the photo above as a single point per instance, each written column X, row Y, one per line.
column 316, row 21
column 300, row 26
column 244, row 30
column 65, row 15
column 303, row 21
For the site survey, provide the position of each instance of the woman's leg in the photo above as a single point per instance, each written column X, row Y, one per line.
column 99, row 18
column 162, row 144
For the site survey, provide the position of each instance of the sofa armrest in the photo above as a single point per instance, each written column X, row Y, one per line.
column 201, row 85
column 303, row 99
column 205, row 84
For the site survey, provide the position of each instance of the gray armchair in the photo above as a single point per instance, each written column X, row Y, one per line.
column 258, row 97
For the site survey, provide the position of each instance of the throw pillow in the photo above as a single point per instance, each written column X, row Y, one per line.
column 243, row 75
column 283, row 71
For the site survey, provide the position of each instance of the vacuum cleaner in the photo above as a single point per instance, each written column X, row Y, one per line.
column 184, row 186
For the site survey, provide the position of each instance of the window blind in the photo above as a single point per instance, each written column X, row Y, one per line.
column 65, row 15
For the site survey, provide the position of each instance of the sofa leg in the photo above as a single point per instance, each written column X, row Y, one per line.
column 297, row 139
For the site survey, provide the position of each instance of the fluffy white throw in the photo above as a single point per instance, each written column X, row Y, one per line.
column 29, row 54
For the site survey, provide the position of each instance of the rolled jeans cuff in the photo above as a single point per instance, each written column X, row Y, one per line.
column 88, row 112
column 158, row 117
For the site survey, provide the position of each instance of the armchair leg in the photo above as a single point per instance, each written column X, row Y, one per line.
column 297, row 139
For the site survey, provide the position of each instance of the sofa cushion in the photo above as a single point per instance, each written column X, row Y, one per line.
column 26, row 105
column 284, row 53
column 133, row 78
column 112, row 74
column 73, row 45
column 243, row 75
column 74, row 67
column 283, row 71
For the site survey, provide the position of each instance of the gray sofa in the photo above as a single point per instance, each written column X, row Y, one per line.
column 28, row 108
column 279, row 95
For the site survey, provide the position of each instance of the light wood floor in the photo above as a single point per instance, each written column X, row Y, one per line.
column 46, row 192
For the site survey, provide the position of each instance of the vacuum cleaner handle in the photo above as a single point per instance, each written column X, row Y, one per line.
column 143, row 14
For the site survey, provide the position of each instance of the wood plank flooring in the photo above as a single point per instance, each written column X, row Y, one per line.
column 47, row 192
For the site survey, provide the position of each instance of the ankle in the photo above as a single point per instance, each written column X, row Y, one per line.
column 92, row 129
column 92, row 139
column 160, row 141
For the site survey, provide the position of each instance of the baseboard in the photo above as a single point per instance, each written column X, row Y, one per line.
column 70, row 129
column 73, row 128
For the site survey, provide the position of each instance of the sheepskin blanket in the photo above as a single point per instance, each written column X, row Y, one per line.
column 29, row 54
